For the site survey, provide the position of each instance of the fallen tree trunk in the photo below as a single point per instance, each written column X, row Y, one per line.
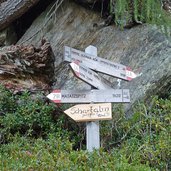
column 13, row 9
column 27, row 67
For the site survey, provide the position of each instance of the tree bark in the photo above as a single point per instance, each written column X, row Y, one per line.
column 10, row 10
column 27, row 67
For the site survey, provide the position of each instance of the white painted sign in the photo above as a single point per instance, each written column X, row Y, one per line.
column 98, row 64
column 89, row 76
column 90, row 112
column 88, row 96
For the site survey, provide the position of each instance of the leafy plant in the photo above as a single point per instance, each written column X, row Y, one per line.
column 30, row 116
column 36, row 136
column 145, row 137
column 140, row 11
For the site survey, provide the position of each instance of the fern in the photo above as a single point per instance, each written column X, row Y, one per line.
column 141, row 11
column 121, row 11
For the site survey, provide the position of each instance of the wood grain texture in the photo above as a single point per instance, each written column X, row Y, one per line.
column 10, row 10
column 27, row 67
column 90, row 112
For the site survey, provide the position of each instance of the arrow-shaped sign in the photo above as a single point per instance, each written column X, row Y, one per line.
column 98, row 64
column 89, row 76
column 90, row 112
column 88, row 96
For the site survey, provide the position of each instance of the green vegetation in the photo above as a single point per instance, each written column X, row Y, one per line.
column 140, row 11
column 35, row 135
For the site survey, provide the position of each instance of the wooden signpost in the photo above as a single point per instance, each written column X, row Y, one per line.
column 98, row 64
column 89, row 96
column 92, row 127
column 90, row 112
column 81, row 64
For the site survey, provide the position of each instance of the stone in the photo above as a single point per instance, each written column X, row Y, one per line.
column 8, row 36
column 144, row 48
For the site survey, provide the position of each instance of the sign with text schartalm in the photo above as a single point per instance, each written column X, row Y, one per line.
column 90, row 112
column 98, row 64
column 88, row 96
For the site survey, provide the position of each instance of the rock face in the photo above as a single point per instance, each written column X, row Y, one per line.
column 8, row 36
column 143, row 48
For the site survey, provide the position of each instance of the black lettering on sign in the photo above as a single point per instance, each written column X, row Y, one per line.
column 101, row 115
column 67, row 54
column 83, row 69
column 90, row 72
column 114, row 66
column 86, row 56
column 82, row 75
column 104, row 62
column 92, row 111
column 97, row 77
column 122, row 75
column 116, row 95
column 125, row 95
column 95, row 59
column 75, row 53
column 89, row 79
column 73, row 95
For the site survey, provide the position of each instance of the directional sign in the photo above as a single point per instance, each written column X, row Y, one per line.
column 89, row 76
column 87, row 96
column 90, row 112
column 98, row 64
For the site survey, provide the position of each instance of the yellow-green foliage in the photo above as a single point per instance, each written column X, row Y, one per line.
column 139, row 143
column 56, row 153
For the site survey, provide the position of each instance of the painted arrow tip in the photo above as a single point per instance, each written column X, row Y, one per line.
column 55, row 96
column 75, row 68
column 50, row 96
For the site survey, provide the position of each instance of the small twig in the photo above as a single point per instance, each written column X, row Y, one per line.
column 125, row 134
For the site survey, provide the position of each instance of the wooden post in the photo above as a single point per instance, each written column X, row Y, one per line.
column 92, row 128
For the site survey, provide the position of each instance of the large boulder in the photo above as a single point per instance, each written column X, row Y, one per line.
column 143, row 48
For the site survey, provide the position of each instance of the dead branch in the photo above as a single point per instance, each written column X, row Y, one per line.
column 27, row 67
column 13, row 9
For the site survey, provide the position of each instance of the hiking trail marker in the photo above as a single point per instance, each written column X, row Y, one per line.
column 83, row 64
column 90, row 96
column 98, row 64
column 90, row 112
column 89, row 76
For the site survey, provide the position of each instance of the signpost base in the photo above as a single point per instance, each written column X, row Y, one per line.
column 92, row 137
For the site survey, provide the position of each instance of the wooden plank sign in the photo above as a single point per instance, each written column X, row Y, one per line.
column 98, row 64
column 89, row 76
column 90, row 112
column 88, row 96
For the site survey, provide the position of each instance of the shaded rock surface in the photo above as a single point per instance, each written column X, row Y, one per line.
column 8, row 36
column 27, row 67
column 143, row 48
